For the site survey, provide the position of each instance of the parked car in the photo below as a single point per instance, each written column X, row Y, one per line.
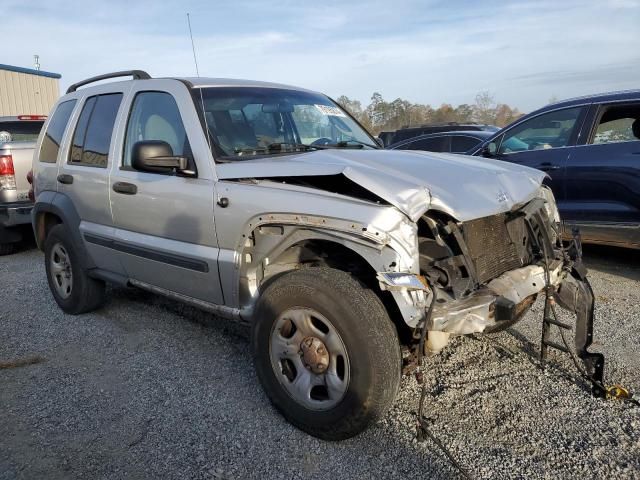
column 18, row 136
column 590, row 148
column 447, row 142
column 271, row 205
column 405, row 133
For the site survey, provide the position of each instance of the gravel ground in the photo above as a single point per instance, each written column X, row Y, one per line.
column 146, row 388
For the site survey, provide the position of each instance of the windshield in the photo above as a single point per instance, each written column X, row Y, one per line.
column 249, row 121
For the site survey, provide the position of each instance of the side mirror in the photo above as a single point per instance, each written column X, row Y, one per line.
column 156, row 156
column 489, row 150
column 379, row 141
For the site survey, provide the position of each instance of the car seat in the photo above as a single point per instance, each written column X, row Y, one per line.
column 232, row 135
column 635, row 128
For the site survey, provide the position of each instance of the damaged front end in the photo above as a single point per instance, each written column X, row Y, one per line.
column 483, row 275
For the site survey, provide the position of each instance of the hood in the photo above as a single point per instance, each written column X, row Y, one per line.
column 461, row 186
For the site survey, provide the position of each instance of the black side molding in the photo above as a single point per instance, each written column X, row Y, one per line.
column 168, row 258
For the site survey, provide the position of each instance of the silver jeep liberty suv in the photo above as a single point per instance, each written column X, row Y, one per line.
column 270, row 205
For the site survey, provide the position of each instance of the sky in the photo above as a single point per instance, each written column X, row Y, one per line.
column 522, row 52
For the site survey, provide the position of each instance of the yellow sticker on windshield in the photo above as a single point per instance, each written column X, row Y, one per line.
column 330, row 110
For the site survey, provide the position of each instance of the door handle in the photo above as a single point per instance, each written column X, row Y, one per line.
column 548, row 166
column 125, row 188
column 65, row 178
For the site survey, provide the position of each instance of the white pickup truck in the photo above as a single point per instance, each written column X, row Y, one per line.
column 18, row 137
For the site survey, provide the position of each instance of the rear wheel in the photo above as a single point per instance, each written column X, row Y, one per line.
column 326, row 352
column 73, row 290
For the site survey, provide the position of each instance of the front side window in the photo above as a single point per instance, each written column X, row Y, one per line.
column 549, row 130
column 55, row 130
column 618, row 124
column 92, row 137
column 155, row 116
column 249, row 121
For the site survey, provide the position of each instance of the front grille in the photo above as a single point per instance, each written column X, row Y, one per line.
column 494, row 246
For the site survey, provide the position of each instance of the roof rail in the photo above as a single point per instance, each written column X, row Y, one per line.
column 136, row 74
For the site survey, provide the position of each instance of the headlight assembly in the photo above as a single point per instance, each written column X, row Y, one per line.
column 399, row 280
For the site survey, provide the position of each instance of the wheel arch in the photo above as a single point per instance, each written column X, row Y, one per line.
column 273, row 250
column 53, row 208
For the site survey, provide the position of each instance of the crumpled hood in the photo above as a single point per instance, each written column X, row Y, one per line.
column 461, row 186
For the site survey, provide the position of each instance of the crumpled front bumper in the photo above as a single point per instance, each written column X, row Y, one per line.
column 503, row 302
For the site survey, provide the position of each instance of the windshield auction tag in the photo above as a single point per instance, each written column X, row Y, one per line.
column 329, row 110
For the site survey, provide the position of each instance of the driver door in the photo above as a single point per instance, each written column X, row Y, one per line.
column 544, row 142
column 164, row 222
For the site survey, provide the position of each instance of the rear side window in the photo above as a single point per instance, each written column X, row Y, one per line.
column 461, row 144
column 618, row 124
column 53, row 136
column 92, row 138
column 438, row 144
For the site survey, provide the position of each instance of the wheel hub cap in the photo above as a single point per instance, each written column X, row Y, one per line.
column 314, row 355
column 309, row 358
column 61, row 272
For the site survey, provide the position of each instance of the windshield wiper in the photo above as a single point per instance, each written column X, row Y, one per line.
column 296, row 146
column 276, row 147
column 346, row 144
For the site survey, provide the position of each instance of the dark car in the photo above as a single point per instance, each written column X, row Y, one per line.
column 590, row 147
column 406, row 133
column 450, row 142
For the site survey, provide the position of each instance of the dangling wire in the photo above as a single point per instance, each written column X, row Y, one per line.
column 422, row 429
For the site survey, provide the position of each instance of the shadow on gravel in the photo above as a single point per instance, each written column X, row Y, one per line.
column 28, row 240
column 425, row 456
column 620, row 261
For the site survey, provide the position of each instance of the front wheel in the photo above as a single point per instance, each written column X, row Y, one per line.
column 326, row 352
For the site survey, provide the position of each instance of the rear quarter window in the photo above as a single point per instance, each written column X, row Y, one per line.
column 55, row 130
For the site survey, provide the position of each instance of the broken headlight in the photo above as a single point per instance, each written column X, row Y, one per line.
column 552, row 210
column 399, row 280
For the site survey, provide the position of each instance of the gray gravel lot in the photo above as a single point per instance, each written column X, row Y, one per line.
column 146, row 388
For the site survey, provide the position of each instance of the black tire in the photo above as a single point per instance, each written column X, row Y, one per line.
column 368, row 335
column 7, row 248
column 87, row 293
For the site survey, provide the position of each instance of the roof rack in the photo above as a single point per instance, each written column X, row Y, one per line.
column 136, row 74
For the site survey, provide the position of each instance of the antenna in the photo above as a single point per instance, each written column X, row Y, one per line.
column 195, row 60
column 193, row 47
column 36, row 62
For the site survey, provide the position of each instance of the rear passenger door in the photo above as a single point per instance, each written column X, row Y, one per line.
column 83, row 175
column 603, row 175
column 165, row 231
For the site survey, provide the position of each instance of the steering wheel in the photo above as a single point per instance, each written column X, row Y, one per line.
column 322, row 141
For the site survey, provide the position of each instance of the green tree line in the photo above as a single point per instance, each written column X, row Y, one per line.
column 381, row 115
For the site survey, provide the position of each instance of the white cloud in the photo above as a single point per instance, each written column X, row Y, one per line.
column 524, row 52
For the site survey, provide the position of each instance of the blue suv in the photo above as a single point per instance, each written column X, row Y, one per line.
column 590, row 148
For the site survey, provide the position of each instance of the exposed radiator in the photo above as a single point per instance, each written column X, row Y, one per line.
column 491, row 246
